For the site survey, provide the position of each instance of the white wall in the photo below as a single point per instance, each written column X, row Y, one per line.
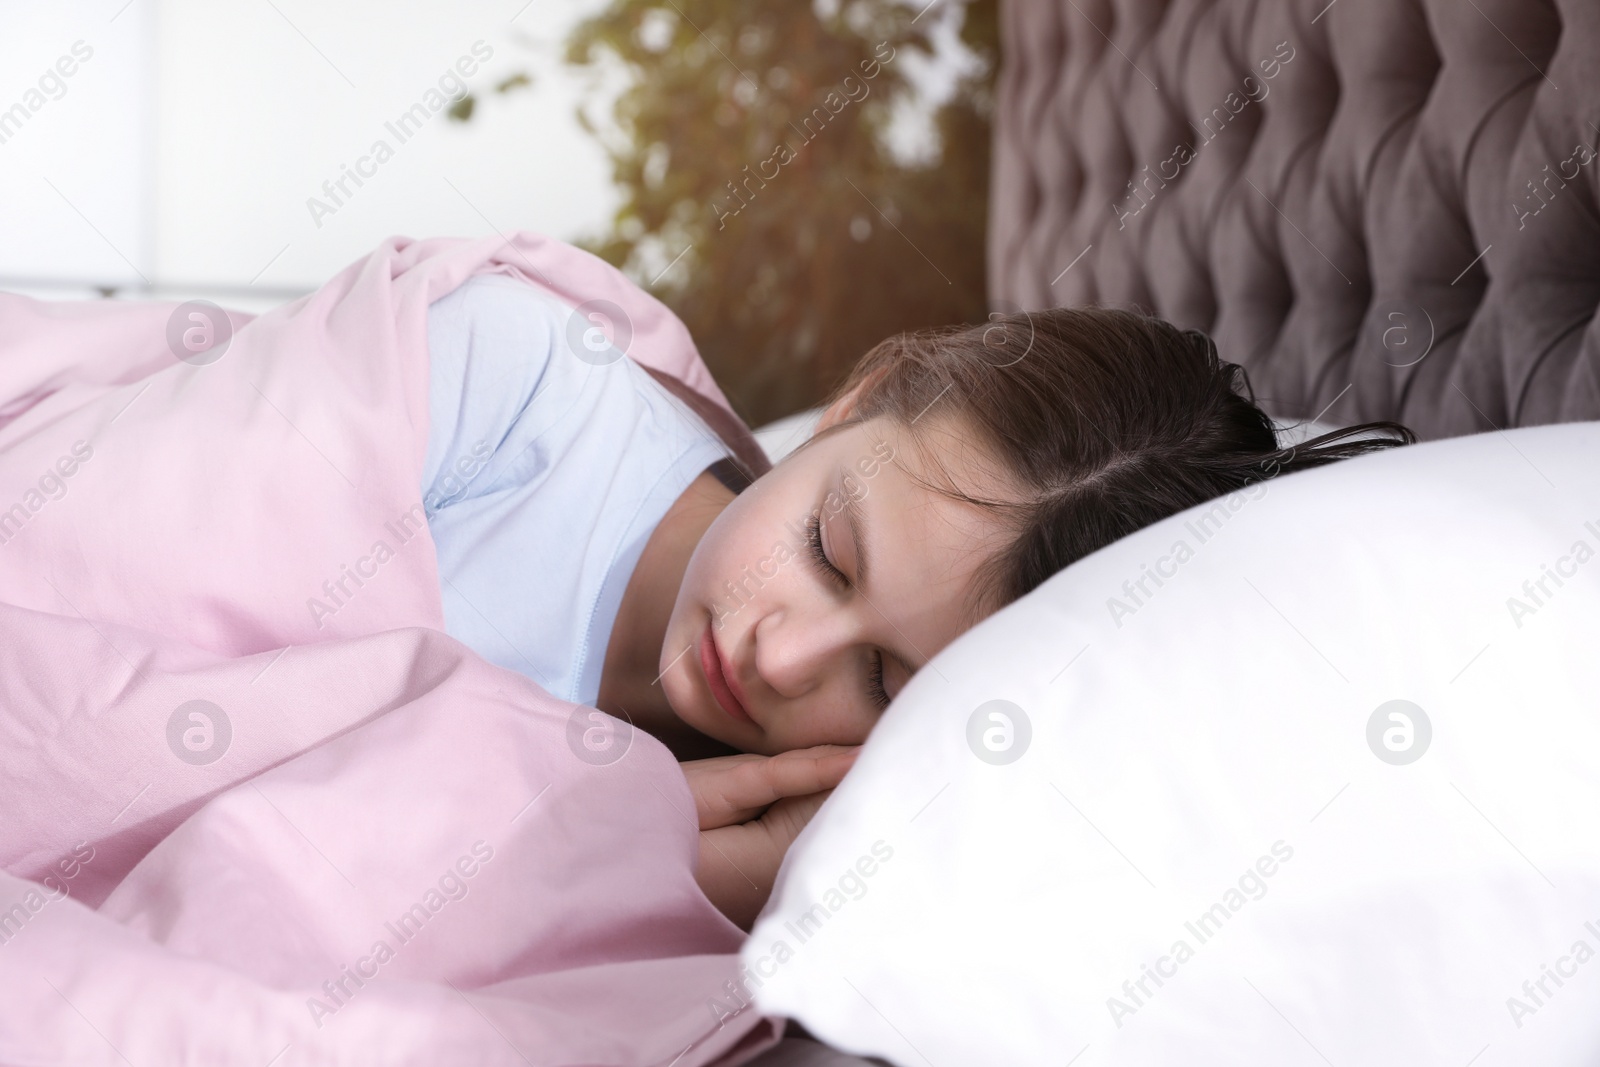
column 81, row 163
column 181, row 156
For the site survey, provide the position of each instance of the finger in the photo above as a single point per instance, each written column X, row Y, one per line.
column 801, row 808
column 707, row 781
column 716, row 763
column 752, row 786
column 785, row 819
column 736, row 789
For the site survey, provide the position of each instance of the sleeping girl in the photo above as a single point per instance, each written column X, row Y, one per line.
column 757, row 620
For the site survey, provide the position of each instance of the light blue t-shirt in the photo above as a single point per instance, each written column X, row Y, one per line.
column 549, row 464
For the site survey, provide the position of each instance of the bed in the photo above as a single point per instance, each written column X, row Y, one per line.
column 1383, row 210
column 1388, row 209
column 1393, row 217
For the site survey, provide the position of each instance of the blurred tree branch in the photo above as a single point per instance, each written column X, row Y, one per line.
column 755, row 145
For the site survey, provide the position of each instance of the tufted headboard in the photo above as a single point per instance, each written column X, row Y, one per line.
column 1383, row 209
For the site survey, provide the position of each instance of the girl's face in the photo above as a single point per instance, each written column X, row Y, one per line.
column 821, row 588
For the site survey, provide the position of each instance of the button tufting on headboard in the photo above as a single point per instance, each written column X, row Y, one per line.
column 1384, row 209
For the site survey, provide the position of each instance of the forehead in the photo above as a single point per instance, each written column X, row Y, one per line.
column 925, row 545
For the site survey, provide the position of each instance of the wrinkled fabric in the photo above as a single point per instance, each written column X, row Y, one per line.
column 240, row 827
column 548, row 468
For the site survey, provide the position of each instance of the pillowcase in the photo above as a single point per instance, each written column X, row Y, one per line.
column 1308, row 775
column 782, row 436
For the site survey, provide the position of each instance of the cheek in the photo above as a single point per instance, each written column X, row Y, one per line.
column 836, row 715
column 742, row 542
column 728, row 538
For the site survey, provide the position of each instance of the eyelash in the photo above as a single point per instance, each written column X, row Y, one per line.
column 818, row 556
column 875, row 689
column 875, row 686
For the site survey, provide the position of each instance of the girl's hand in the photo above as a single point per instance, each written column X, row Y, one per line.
column 751, row 808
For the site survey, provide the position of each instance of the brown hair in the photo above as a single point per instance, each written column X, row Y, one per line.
column 1110, row 419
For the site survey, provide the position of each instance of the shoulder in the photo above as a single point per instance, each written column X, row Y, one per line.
column 500, row 303
column 495, row 334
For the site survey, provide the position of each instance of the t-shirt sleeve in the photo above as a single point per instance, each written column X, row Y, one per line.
column 493, row 344
column 551, row 458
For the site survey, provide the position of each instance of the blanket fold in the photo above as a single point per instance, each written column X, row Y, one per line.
column 242, row 828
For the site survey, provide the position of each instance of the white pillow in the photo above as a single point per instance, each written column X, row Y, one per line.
column 782, row 436
column 1293, row 432
column 1210, row 762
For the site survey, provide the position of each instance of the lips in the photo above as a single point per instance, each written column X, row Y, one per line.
column 712, row 664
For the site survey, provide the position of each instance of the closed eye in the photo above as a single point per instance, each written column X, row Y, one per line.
column 875, row 687
column 819, row 555
column 876, row 691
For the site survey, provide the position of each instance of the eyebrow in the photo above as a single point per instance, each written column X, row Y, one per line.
column 858, row 529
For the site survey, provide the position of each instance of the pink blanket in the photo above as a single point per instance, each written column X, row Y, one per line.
column 236, row 829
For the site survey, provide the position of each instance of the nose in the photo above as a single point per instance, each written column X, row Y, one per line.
column 797, row 647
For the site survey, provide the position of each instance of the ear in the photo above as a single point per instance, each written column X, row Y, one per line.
column 844, row 405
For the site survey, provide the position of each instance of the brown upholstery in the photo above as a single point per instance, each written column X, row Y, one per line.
column 1328, row 220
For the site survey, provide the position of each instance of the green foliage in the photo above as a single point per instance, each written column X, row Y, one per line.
column 754, row 137
column 462, row 109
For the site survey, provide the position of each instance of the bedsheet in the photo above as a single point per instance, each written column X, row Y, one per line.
column 255, row 807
